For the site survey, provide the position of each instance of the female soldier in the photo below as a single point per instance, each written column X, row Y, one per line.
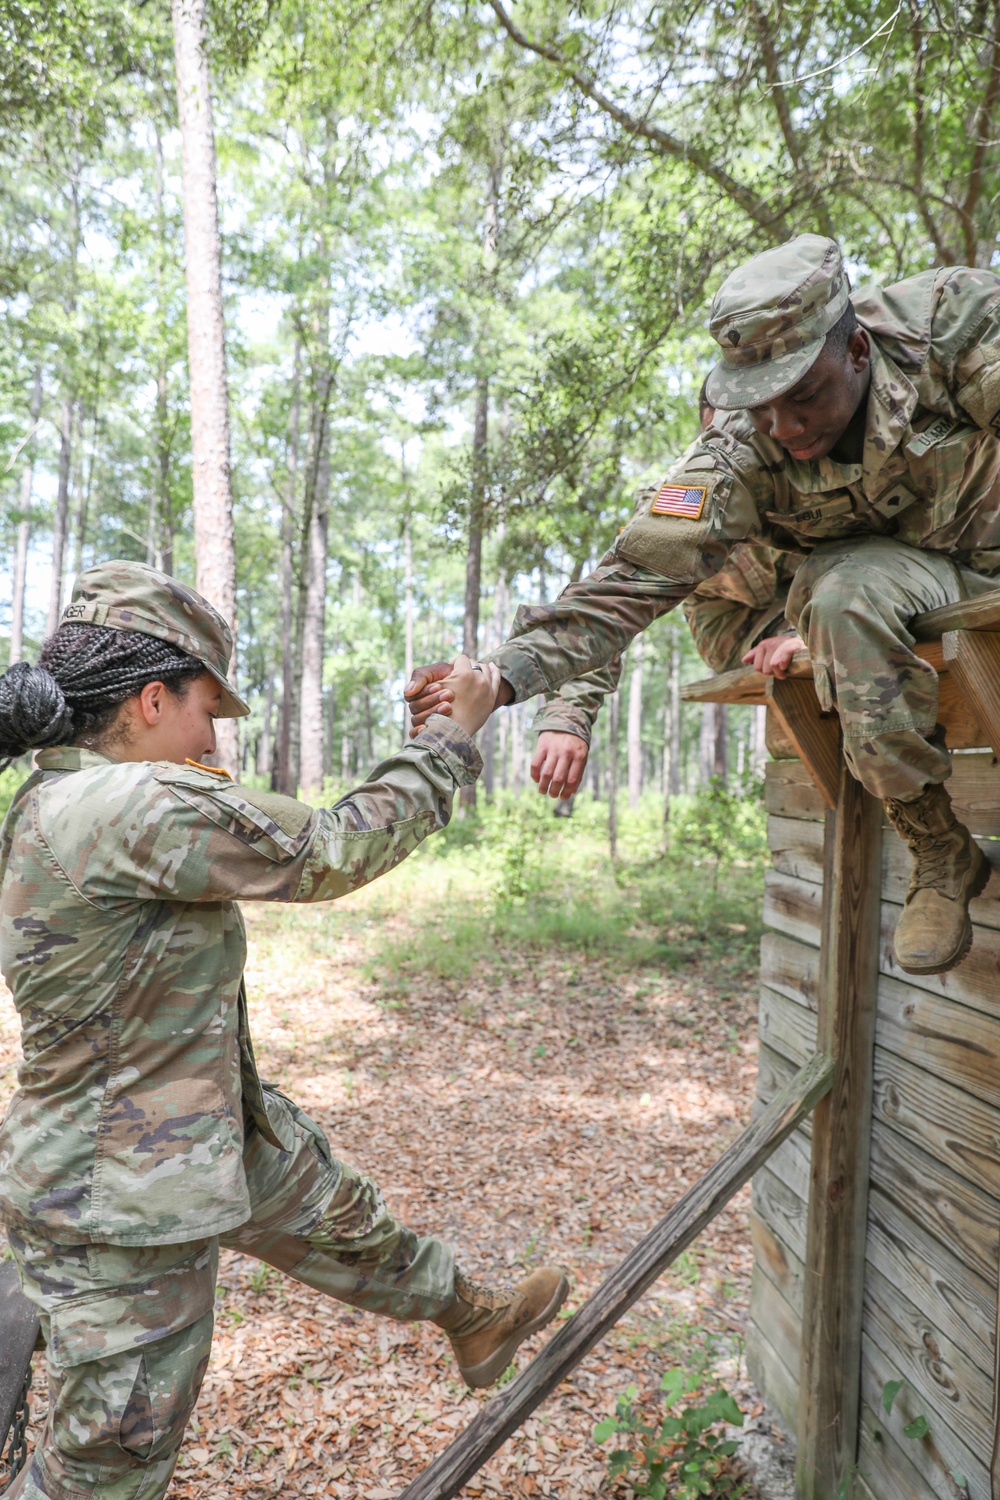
column 141, row 1137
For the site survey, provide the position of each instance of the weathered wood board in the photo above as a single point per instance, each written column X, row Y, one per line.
column 933, row 1223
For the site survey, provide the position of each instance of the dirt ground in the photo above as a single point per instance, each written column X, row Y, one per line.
column 549, row 1111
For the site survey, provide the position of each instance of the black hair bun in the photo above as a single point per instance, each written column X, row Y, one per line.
column 33, row 711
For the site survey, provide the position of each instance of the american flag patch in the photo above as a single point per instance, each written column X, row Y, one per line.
column 680, row 500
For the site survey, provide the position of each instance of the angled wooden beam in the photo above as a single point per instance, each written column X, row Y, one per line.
column 445, row 1476
column 973, row 659
column 816, row 736
column 830, row 1379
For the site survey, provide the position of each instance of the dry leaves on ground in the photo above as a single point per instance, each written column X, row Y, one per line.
column 545, row 1111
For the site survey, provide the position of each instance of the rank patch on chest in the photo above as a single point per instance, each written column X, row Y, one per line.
column 680, row 500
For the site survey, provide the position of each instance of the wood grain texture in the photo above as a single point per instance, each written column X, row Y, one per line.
column 974, row 982
column 950, row 1042
column 793, row 906
column 973, row 659
column 962, row 1217
column 446, row 1474
column 962, row 1304
column 796, row 847
column 778, row 1262
column 815, row 736
column 786, row 1027
column 969, row 614
column 789, row 791
column 18, row 1332
column 782, row 1321
column 957, row 1130
column 939, row 1454
column 838, row 1200
column 887, row 1468
column 769, row 1373
column 780, row 1206
column 790, row 967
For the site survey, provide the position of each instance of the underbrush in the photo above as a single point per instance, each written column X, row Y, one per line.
column 514, row 879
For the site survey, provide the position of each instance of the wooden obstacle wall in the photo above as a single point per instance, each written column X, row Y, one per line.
column 933, row 1208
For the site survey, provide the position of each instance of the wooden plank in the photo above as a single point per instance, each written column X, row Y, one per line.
column 770, row 1374
column 897, row 865
column 964, row 725
column 779, row 1206
column 887, row 1467
column 936, row 1456
column 961, row 1216
column 782, row 1321
column 982, row 613
column 18, row 1332
column 973, row 982
column 950, row 1125
column 954, row 1044
column 774, row 1073
column 793, row 906
column 796, row 847
column 741, row 685
column 838, row 1200
column 974, row 788
column 957, row 1394
column 778, row 1262
column 776, row 741
column 790, row 967
column 974, row 663
column 786, row 1027
column 960, row 1302
column 446, row 1474
column 816, row 736
column 790, row 792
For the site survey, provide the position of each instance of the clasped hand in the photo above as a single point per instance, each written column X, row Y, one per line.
column 463, row 690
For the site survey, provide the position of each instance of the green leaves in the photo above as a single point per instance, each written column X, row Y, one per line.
column 890, row 1391
column 916, row 1429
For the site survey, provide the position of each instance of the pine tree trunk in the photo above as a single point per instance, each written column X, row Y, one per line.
column 407, row 605
column 286, row 781
column 161, row 514
column 474, row 552
column 214, row 545
column 314, row 631
column 60, row 528
column 675, row 717
column 84, row 471
column 263, row 766
column 720, row 750
column 24, row 528
column 614, row 708
column 634, row 730
column 758, row 740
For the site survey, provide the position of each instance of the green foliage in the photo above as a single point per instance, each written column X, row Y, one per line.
column 683, row 1453
column 919, row 1426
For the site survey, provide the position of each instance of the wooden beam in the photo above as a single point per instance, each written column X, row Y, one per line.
column 744, row 685
column 453, row 1468
column 18, row 1332
column 816, row 737
column 982, row 613
column 838, row 1198
column 973, row 659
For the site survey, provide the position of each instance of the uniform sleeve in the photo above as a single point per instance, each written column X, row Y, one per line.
column 576, row 705
column 204, row 839
column 682, row 534
column 966, row 342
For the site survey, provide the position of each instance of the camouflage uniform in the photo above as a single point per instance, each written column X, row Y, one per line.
column 916, row 524
column 141, row 1136
column 727, row 615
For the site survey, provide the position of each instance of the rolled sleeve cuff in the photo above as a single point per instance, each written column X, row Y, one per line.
column 456, row 748
column 523, row 674
column 559, row 719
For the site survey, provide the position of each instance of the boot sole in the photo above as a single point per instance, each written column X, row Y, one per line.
column 478, row 1377
column 979, row 884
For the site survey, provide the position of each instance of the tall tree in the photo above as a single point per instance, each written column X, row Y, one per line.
column 215, row 549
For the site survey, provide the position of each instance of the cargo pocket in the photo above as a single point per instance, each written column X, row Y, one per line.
column 126, row 1364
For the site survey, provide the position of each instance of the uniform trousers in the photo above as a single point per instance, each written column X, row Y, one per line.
column 853, row 602
column 129, row 1329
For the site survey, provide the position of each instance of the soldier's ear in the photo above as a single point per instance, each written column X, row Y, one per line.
column 150, row 703
column 859, row 350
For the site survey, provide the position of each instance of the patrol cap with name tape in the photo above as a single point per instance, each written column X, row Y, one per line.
column 771, row 317
column 131, row 596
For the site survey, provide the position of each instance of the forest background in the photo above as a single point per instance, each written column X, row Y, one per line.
column 466, row 254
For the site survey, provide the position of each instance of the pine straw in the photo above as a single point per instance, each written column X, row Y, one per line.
column 549, row 1110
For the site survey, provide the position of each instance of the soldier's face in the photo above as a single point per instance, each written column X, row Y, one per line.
column 812, row 418
column 160, row 725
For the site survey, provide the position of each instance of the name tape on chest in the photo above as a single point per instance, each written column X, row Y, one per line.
column 680, row 500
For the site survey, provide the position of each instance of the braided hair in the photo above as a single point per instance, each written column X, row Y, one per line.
column 84, row 674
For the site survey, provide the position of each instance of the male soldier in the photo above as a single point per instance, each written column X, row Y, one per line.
column 864, row 434
column 737, row 615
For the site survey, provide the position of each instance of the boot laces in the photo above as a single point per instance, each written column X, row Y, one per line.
column 477, row 1291
column 935, row 858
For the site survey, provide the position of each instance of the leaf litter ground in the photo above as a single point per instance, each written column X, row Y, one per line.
column 545, row 1108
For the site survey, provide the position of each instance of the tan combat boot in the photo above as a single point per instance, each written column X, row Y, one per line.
column 484, row 1327
column 934, row 932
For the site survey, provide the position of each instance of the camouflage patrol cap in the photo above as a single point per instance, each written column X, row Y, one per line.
column 772, row 316
column 131, row 596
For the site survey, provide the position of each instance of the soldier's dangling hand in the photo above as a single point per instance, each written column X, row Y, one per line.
column 426, row 694
column 559, row 762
